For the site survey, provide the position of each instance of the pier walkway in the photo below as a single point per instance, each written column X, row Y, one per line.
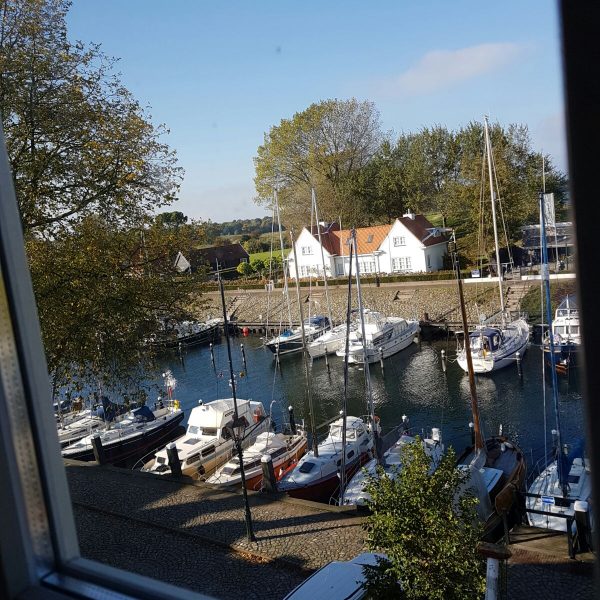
column 194, row 536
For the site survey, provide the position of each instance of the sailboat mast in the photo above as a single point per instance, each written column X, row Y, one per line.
column 311, row 412
column 488, row 146
column 314, row 201
column 562, row 477
column 285, row 279
column 463, row 312
column 364, row 342
column 345, row 401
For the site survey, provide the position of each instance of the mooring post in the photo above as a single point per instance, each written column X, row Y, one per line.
column 326, row 359
column 582, row 520
column 97, row 448
column 494, row 553
column 244, row 357
column 212, row 357
column 277, row 356
column 380, row 359
column 173, row 458
column 292, row 419
column 519, row 370
column 269, row 481
column 444, row 361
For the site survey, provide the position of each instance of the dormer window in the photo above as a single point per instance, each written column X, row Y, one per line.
column 370, row 239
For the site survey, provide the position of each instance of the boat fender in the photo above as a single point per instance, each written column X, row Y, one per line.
column 176, row 404
column 257, row 415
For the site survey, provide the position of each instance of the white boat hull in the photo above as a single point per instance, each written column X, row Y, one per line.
column 516, row 337
column 385, row 349
column 554, row 505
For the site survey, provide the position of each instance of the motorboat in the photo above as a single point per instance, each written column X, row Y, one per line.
column 329, row 342
column 384, row 337
column 136, row 433
column 290, row 340
column 285, row 449
column 567, row 336
column 208, row 441
column 315, row 477
column 186, row 333
column 391, row 462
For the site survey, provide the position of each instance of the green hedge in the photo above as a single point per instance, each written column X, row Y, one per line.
column 256, row 285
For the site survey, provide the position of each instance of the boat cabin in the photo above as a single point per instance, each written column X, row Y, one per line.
column 488, row 339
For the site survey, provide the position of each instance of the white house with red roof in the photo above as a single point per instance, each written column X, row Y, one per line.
column 411, row 244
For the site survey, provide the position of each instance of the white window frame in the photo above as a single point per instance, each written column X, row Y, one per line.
column 306, row 250
column 39, row 546
column 399, row 240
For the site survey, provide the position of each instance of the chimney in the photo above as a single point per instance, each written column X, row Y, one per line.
column 410, row 215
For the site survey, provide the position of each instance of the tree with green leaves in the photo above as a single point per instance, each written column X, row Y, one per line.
column 317, row 148
column 245, row 269
column 427, row 527
column 100, row 294
column 173, row 218
column 89, row 170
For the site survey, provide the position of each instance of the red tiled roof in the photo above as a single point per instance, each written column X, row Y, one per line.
column 418, row 227
column 370, row 238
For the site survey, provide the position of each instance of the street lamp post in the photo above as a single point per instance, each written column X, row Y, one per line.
column 377, row 254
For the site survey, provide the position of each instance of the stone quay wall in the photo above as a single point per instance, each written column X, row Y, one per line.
column 434, row 302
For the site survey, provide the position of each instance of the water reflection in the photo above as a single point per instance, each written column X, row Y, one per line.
column 413, row 383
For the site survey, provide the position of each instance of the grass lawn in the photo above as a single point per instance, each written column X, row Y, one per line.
column 267, row 254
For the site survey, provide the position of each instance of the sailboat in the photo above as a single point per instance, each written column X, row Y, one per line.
column 496, row 466
column 566, row 477
column 391, row 462
column 292, row 339
column 323, row 471
column 495, row 346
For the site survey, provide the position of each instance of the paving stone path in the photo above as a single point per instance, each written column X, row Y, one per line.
column 195, row 537
column 121, row 514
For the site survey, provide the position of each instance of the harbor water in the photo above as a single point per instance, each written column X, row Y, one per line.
column 413, row 383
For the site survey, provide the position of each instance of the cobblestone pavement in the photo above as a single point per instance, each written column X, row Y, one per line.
column 292, row 539
column 181, row 560
column 533, row 576
column 194, row 536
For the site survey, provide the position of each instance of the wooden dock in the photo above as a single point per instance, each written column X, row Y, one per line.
column 548, row 545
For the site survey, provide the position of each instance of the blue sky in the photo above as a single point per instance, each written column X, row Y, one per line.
column 220, row 74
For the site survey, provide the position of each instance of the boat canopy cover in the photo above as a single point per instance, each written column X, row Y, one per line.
column 317, row 321
column 143, row 413
column 491, row 335
column 109, row 410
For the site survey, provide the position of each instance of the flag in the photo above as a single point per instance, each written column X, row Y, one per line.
column 549, row 210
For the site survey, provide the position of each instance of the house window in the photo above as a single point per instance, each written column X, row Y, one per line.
column 370, row 239
column 402, row 263
column 307, row 250
column 399, row 241
column 428, row 261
